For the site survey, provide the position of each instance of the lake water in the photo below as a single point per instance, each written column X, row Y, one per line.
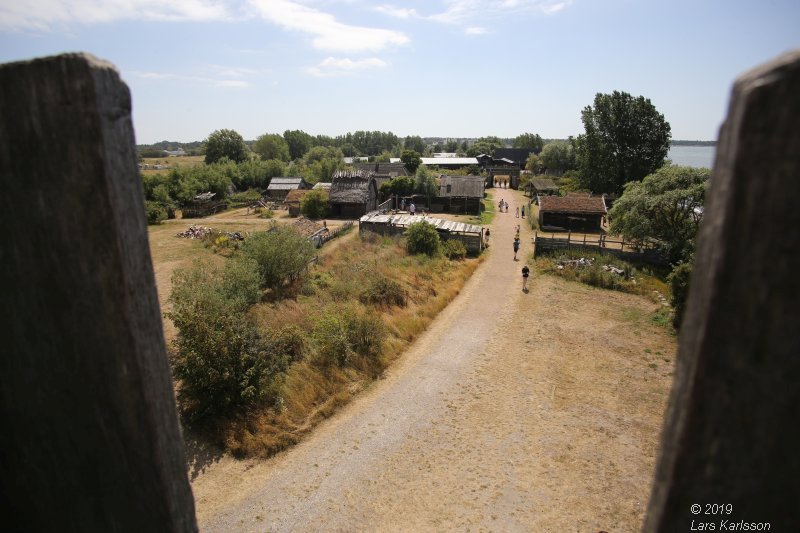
column 692, row 156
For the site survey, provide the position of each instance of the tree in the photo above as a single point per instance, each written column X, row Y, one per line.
column 225, row 143
column 558, row 155
column 415, row 143
column 666, row 207
column 484, row 145
column 451, row 146
column 626, row 139
column 299, row 142
column 426, row 183
column 411, row 160
column 534, row 164
column 422, row 238
column 272, row 146
column 279, row 253
column 314, row 204
column 533, row 142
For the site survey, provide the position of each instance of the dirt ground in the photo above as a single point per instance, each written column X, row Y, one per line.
column 513, row 412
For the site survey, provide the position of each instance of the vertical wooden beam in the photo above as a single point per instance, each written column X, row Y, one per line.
column 90, row 438
column 732, row 429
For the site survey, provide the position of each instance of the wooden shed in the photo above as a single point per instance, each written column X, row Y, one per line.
column 353, row 193
column 459, row 194
column 293, row 199
column 279, row 187
column 582, row 213
column 542, row 187
column 469, row 234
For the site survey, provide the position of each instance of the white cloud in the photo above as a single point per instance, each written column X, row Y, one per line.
column 397, row 12
column 43, row 15
column 329, row 33
column 459, row 11
column 334, row 66
column 201, row 80
column 476, row 30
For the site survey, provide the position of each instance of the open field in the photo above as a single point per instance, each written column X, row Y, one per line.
column 184, row 161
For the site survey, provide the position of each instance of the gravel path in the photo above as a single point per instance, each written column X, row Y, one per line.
column 502, row 416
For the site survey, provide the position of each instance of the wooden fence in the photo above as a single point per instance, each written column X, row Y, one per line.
column 636, row 251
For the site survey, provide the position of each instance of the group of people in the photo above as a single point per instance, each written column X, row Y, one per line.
column 503, row 206
column 502, row 184
column 412, row 209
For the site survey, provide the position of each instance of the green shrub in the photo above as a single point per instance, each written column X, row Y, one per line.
column 289, row 342
column 383, row 291
column 156, row 212
column 330, row 337
column 422, row 238
column 280, row 253
column 344, row 332
column 314, row 204
column 248, row 196
column 679, row 280
column 220, row 362
column 453, row 249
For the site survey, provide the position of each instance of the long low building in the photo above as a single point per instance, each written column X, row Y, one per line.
column 574, row 213
column 449, row 162
column 469, row 234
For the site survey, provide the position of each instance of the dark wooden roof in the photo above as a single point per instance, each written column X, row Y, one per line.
column 517, row 155
column 543, row 184
column 385, row 169
column 461, row 186
column 351, row 186
column 572, row 204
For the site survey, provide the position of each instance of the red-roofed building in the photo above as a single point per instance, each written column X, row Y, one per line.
column 572, row 212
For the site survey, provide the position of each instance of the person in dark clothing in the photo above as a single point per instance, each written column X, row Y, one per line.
column 525, row 273
column 516, row 248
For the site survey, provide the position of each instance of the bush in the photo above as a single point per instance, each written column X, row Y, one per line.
column 288, row 342
column 314, row 204
column 453, row 249
column 220, row 362
column 383, row 291
column 679, row 280
column 344, row 332
column 422, row 238
column 156, row 213
column 280, row 253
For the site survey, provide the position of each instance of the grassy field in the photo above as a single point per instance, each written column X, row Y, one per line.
column 346, row 268
column 184, row 161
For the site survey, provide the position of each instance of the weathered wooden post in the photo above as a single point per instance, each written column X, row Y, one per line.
column 90, row 438
column 729, row 451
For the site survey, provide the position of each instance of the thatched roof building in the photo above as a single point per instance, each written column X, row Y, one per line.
column 353, row 193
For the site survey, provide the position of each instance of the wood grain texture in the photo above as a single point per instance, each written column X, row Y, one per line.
column 90, row 438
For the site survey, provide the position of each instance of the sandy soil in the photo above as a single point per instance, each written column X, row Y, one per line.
column 513, row 412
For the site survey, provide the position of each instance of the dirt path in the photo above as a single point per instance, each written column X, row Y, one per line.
column 513, row 412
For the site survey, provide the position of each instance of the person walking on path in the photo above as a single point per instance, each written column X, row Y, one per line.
column 523, row 211
column 516, row 213
column 525, row 273
column 501, row 204
column 516, row 248
column 487, row 235
column 412, row 209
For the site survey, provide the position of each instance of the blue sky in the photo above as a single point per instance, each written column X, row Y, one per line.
column 460, row 68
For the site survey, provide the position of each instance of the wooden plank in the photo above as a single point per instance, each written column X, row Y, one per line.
column 90, row 430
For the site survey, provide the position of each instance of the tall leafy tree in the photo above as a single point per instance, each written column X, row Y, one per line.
column 666, row 207
column 415, row 143
column 558, row 155
column 532, row 141
column 625, row 139
column 426, row 183
column 485, row 145
column 411, row 160
column 299, row 142
column 272, row 146
column 225, row 143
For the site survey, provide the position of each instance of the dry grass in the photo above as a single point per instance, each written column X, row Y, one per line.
column 311, row 392
column 185, row 161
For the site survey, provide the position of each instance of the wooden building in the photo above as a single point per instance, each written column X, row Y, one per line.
column 458, row 194
column 469, row 234
column 574, row 213
column 542, row 187
column 293, row 199
column 354, row 193
column 280, row 187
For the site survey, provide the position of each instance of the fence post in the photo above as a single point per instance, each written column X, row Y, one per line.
column 90, row 428
column 732, row 427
